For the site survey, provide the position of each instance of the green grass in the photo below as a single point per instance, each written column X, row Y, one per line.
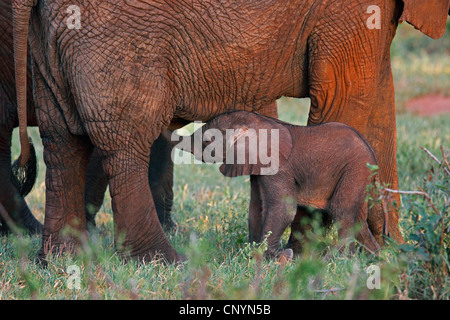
column 211, row 216
column 420, row 65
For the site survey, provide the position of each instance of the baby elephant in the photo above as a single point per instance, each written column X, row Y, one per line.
column 294, row 167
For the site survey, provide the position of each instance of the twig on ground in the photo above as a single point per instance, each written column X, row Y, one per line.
column 327, row 291
column 427, row 197
column 420, row 193
column 432, row 156
column 445, row 160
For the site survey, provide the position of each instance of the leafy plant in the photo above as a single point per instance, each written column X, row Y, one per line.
column 427, row 248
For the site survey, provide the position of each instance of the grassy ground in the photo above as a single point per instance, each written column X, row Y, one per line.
column 211, row 214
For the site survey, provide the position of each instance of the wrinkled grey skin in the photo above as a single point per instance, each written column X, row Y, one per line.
column 323, row 167
column 134, row 68
column 161, row 167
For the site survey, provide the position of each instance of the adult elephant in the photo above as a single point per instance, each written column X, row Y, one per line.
column 114, row 74
column 12, row 192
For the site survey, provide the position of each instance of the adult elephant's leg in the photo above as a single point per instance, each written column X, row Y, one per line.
column 66, row 158
column 13, row 203
column 255, row 211
column 160, row 178
column 383, row 137
column 351, row 82
column 96, row 184
column 138, row 232
column 125, row 158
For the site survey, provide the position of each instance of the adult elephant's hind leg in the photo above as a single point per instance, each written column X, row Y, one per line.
column 66, row 158
column 125, row 157
column 138, row 231
column 14, row 203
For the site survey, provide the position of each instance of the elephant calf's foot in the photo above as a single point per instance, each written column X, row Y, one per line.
column 286, row 256
column 282, row 255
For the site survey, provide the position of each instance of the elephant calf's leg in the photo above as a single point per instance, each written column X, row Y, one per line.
column 364, row 235
column 349, row 210
column 279, row 209
column 300, row 226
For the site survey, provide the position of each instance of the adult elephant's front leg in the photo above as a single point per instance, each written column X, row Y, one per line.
column 351, row 82
column 375, row 120
column 382, row 134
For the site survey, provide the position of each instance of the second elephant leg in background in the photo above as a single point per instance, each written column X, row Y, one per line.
column 160, row 178
column 255, row 211
column 10, row 198
column 96, row 184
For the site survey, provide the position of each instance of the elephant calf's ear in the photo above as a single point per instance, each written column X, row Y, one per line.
column 259, row 148
column 428, row 16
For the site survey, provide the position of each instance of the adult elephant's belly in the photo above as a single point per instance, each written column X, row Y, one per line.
column 206, row 114
column 177, row 123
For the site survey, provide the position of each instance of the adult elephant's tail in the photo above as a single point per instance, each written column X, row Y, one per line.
column 24, row 169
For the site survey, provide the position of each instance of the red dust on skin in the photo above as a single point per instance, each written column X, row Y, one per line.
column 429, row 105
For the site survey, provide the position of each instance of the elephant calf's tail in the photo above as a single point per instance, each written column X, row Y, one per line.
column 23, row 176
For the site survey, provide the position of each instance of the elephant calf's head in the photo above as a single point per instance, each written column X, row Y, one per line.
column 246, row 143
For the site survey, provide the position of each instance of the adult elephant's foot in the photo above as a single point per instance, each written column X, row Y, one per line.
column 65, row 220
column 138, row 232
column 56, row 246
column 145, row 242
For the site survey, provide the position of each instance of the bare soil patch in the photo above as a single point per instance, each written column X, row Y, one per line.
column 429, row 105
